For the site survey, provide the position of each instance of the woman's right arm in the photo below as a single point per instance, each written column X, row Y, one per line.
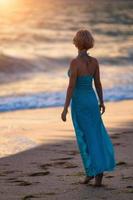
column 98, row 86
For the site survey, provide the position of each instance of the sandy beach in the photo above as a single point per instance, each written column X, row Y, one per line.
column 40, row 157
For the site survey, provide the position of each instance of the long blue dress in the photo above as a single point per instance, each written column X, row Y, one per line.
column 95, row 146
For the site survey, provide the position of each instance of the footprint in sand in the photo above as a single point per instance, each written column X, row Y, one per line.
column 129, row 186
column 59, row 163
column 40, row 173
column 69, row 165
column 28, row 197
column 121, row 163
column 21, row 182
column 45, row 166
column 24, row 183
column 11, row 179
column 115, row 136
column 64, row 158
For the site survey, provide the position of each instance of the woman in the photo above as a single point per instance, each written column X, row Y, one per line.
column 96, row 148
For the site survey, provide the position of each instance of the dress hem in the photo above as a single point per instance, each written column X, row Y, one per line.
column 94, row 174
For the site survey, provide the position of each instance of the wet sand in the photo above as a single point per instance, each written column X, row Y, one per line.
column 40, row 158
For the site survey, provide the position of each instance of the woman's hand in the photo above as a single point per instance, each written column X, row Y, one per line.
column 63, row 115
column 102, row 108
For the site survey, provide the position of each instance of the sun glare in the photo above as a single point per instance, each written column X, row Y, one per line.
column 4, row 3
column 6, row 6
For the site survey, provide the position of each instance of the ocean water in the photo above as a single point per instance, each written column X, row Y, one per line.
column 36, row 49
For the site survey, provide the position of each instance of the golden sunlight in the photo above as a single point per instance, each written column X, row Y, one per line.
column 7, row 6
column 5, row 3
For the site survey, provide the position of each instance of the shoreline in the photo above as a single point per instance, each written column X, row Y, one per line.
column 42, row 159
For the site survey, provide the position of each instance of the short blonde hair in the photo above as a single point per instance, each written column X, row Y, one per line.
column 83, row 40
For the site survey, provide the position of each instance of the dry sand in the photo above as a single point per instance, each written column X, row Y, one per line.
column 40, row 157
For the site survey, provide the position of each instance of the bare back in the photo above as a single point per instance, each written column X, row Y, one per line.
column 86, row 66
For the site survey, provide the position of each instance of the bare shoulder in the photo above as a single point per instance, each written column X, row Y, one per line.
column 73, row 64
column 94, row 61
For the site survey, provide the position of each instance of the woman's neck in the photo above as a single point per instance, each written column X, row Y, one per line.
column 82, row 52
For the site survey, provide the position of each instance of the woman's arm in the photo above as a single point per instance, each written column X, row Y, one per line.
column 98, row 86
column 70, row 88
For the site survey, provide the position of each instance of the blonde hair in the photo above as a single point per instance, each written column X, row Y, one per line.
column 83, row 40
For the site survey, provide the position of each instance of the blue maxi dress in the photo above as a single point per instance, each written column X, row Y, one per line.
column 95, row 146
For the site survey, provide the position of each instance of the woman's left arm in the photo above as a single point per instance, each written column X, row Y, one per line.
column 71, row 85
